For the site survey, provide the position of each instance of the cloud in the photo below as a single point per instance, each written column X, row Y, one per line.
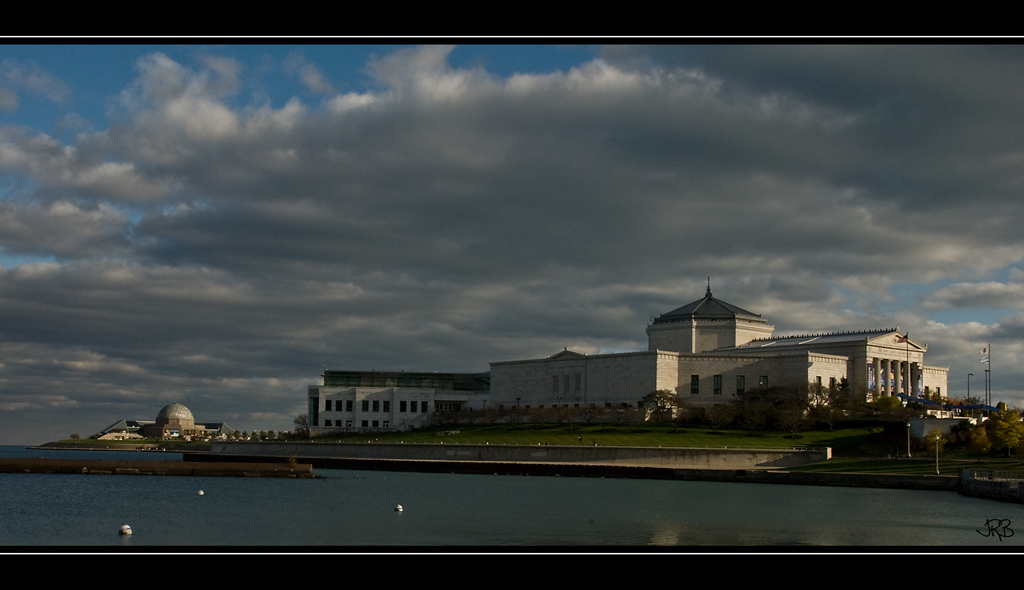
column 310, row 76
column 30, row 77
column 62, row 229
column 976, row 295
column 447, row 216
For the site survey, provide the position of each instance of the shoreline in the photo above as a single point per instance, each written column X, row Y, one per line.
column 165, row 468
column 770, row 476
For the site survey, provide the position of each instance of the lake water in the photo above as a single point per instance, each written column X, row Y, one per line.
column 355, row 509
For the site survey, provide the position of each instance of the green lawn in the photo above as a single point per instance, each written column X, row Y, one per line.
column 923, row 465
column 620, row 435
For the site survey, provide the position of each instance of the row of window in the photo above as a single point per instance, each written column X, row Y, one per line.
column 501, row 407
column 741, row 384
column 377, row 405
column 348, row 423
column 576, row 381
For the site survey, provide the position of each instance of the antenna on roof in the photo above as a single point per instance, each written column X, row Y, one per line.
column 708, row 293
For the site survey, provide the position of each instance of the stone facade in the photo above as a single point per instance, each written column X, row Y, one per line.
column 710, row 351
column 707, row 351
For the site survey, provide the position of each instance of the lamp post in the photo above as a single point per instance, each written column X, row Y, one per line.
column 908, row 440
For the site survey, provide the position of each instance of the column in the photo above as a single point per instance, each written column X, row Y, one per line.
column 886, row 371
column 908, row 387
column 897, row 377
column 878, row 378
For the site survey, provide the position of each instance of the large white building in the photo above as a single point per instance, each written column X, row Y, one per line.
column 708, row 351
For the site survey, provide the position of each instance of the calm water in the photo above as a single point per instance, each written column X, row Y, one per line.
column 356, row 508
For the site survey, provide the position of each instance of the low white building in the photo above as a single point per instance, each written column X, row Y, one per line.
column 383, row 401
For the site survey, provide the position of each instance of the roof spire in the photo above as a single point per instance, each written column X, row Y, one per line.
column 707, row 295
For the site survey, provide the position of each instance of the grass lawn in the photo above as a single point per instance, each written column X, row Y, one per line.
column 653, row 435
column 913, row 466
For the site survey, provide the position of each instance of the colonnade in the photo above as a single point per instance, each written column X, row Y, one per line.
column 895, row 376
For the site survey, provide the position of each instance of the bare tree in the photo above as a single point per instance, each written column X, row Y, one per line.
column 302, row 425
column 659, row 406
column 720, row 415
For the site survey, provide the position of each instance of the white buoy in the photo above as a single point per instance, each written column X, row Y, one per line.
column 200, row 492
column 399, row 508
column 125, row 529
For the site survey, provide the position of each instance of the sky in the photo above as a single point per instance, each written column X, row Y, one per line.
column 215, row 225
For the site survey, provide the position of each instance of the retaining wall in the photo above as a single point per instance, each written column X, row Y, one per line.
column 626, row 456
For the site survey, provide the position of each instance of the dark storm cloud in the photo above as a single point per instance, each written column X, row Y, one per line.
column 449, row 217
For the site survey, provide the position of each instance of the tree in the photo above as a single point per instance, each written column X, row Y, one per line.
column 791, row 417
column 1007, row 430
column 720, row 415
column 979, row 443
column 936, row 437
column 659, row 406
column 302, row 425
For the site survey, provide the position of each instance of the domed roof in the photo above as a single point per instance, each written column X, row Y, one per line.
column 708, row 308
column 174, row 411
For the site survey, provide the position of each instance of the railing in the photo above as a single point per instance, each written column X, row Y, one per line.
column 994, row 475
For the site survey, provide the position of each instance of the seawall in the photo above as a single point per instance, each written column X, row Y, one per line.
column 104, row 467
column 722, row 465
column 672, row 457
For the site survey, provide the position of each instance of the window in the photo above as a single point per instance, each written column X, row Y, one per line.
column 365, row 423
column 366, row 405
column 387, row 405
column 831, row 383
column 413, row 407
column 579, row 382
column 348, row 406
column 327, row 405
column 376, row 424
column 386, row 424
column 403, row 406
column 566, row 380
column 718, row 385
column 741, row 384
column 376, row 405
column 817, row 381
column 348, row 423
column 764, row 381
column 327, row 422
column 694, row 384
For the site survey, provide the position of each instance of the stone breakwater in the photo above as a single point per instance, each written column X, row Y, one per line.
column 104, row 467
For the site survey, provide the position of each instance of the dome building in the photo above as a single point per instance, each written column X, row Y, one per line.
column 173, row 421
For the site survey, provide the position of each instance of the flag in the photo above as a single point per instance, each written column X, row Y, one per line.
column 902, row 339
column 984, row 355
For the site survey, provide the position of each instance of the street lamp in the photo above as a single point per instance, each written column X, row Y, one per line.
column 908, row 440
